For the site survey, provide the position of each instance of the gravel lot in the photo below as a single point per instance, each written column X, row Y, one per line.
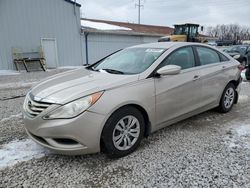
column 208, row 150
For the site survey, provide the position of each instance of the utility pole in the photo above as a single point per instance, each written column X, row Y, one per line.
column 139, row 5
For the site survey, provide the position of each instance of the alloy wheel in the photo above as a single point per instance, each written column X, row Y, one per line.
column 229, row 98
column 126, row 132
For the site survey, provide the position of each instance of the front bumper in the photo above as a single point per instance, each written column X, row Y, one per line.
column 80, row 135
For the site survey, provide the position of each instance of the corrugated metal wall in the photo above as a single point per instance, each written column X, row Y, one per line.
column 101, row 45
column 24, row 22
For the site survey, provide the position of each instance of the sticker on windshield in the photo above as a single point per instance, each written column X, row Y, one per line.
column 154, row 50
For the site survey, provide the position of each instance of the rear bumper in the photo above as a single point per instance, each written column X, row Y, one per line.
column 80, row 135
column 247, row 72
column 238, row 88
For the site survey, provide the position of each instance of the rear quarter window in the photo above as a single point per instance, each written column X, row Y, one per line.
column 207, row 56
column 223, row 58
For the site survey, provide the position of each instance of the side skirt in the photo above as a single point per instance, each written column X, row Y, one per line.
column 182, row 117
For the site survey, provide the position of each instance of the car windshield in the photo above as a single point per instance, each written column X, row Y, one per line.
column 180, row 30
column 129, row 61
column 238, row 49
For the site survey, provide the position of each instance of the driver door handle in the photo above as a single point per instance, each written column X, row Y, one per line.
column 196, row 77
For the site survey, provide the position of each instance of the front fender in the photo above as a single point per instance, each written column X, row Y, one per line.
column 141, row 93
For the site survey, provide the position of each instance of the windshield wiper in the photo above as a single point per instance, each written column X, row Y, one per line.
column 112, row 71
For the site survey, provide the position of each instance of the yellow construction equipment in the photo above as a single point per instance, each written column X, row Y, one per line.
column 185, row 33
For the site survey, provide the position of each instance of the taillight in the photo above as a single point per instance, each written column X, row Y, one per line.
column 241, row 67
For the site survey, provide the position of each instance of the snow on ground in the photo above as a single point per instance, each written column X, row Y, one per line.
column 243, row 130
column 16, row 85
column 8, row 72
column 23, row 82
column 239, row 135
column 243, row 74
column 19, row 151
column 243, row 98
column 11, row 117
column 102, row 26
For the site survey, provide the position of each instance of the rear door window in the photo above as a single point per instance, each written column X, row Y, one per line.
column 183, row 57
column 207, row 56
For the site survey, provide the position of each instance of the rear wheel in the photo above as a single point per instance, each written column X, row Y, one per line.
column 123, row 132
column 247, row 73
column 244, row 63
column 227, row 98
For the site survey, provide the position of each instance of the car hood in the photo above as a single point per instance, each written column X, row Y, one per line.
column 71, row 85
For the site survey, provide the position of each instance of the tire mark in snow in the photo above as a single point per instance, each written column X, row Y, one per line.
column 19, row 151
column 13, row 97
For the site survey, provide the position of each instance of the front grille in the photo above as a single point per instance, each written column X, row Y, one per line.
column 34, row 108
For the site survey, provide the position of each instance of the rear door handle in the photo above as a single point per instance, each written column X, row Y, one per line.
column 196, row 77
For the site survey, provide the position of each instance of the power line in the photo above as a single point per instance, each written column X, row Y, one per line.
column 139, row 5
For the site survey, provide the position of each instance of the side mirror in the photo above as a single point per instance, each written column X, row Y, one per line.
column 237, row 56
column 169, row 70
column 202, row 28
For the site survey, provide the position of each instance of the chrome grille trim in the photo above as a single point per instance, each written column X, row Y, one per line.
column 34, row 108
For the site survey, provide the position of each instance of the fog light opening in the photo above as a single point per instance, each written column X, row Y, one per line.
column 66, row 141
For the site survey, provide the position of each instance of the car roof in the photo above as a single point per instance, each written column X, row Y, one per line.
column 166, row 45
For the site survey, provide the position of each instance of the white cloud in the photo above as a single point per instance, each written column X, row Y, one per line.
column 162, row 12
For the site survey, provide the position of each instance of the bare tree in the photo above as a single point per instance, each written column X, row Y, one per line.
column 233, row 32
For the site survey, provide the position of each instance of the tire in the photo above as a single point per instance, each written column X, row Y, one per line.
column 247, row 73
column 115, row 135
column 227, row 99
column 244, row 63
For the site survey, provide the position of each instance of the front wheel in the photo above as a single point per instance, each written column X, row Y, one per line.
column 123, row 132
column 227, row 98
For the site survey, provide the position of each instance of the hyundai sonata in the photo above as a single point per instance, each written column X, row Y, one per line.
column 112, row 104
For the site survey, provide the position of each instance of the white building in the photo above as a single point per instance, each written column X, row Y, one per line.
column 54, row 27
column 102, row 37
column 28, row 24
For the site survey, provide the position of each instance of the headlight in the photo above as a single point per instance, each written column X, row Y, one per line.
column 74, row 108
column 236, row 56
